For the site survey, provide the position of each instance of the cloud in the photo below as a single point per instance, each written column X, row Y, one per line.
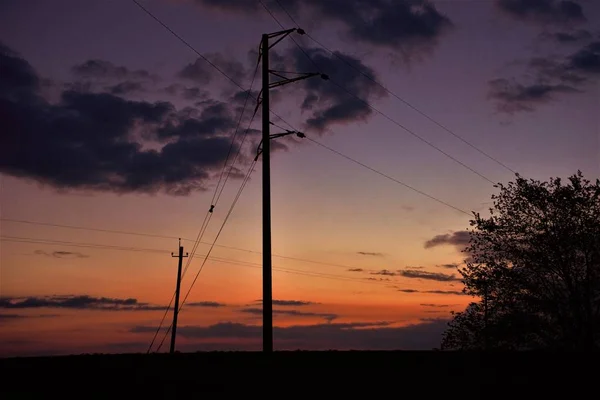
column 101, row 69
column 432, row 276
column 326, row 103
column 292, row 303
column 78, row 302
column 543, row 11
column 448, row 266
column 356, row 270
column 339, row 336
column 512, row 97
column 459, row 239
column 445, row 292
column 97, row 141
column 6, row 317
column 292, row 313
column 126, row 87
column 400, row 25
column 372, row 254
column 200, row 72
column 569, row 37
column 207, row 304
column 379, row 279
column 549, row 77
column 61, row 254
column 409, row 290
column 384, row 272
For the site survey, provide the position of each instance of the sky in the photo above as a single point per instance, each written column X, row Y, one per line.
column 117, row 138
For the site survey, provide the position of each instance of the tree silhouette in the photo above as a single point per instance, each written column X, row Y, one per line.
column 535, row 266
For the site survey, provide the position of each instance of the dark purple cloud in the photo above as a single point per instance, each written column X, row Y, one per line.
column 431, row 276
column 289, row 303
column 567, row 37
column 61, row 254
column 459, row 239
column 340, row 336
column 370, row 253
column 543, row 11
column 293, row 313
column 206, row 304
column 78, row 302
column 406, row 25
column 436, row 291
column 95, row 141
column 326, row 102
column 550, row 78
column 200, row 72
column 512, row 97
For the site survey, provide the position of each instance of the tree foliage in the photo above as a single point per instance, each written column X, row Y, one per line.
column 534, row 263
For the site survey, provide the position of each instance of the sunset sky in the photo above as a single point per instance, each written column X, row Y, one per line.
column 109, row 122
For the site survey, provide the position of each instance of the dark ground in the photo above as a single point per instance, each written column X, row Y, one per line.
column 295, row 374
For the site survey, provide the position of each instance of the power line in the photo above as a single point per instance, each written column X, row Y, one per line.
column 173, row 237
column 19, row 239
column 216, row 197
column 365, row 102
column 388, row 177
column 186, row 43
column 246, row 178
column 363, row 73
column 445, row 128
column 14, row 239
column 214, row 203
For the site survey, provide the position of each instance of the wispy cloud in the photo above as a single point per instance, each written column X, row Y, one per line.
column 208, row 304
column 290, row 303
column 341, row 336
column 384, row 272
column 61, row 254
column 368, row 253
column 443, row 292
column 293, row 313
column 432, row 276
column 78, row 302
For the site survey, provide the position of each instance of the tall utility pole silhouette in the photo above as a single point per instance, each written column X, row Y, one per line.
column 177, row 289
column 266, row 170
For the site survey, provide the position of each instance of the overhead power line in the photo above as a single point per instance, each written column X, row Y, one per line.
column 372, row 107
column 216, row 196
column 390, row 92
column 14, row 239
column 388, row 177
column 305, row 260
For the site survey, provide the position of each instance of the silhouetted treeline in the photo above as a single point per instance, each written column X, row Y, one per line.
column 534, row 265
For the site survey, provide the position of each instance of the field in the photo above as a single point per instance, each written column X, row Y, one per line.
column 291, row 374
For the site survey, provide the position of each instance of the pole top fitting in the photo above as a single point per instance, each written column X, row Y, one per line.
column 300, row 31
column 325, row 77
column 300, row 135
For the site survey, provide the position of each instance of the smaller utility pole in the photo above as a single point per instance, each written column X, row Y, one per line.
column 177, row 289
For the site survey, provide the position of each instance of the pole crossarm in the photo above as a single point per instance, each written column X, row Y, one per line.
column 275, row 136
column 285, row 80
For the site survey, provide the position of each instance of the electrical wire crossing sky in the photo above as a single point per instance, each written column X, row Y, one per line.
column 130, row 127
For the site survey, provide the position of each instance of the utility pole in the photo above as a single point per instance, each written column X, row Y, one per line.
column 177, row 289
column 267, row 288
